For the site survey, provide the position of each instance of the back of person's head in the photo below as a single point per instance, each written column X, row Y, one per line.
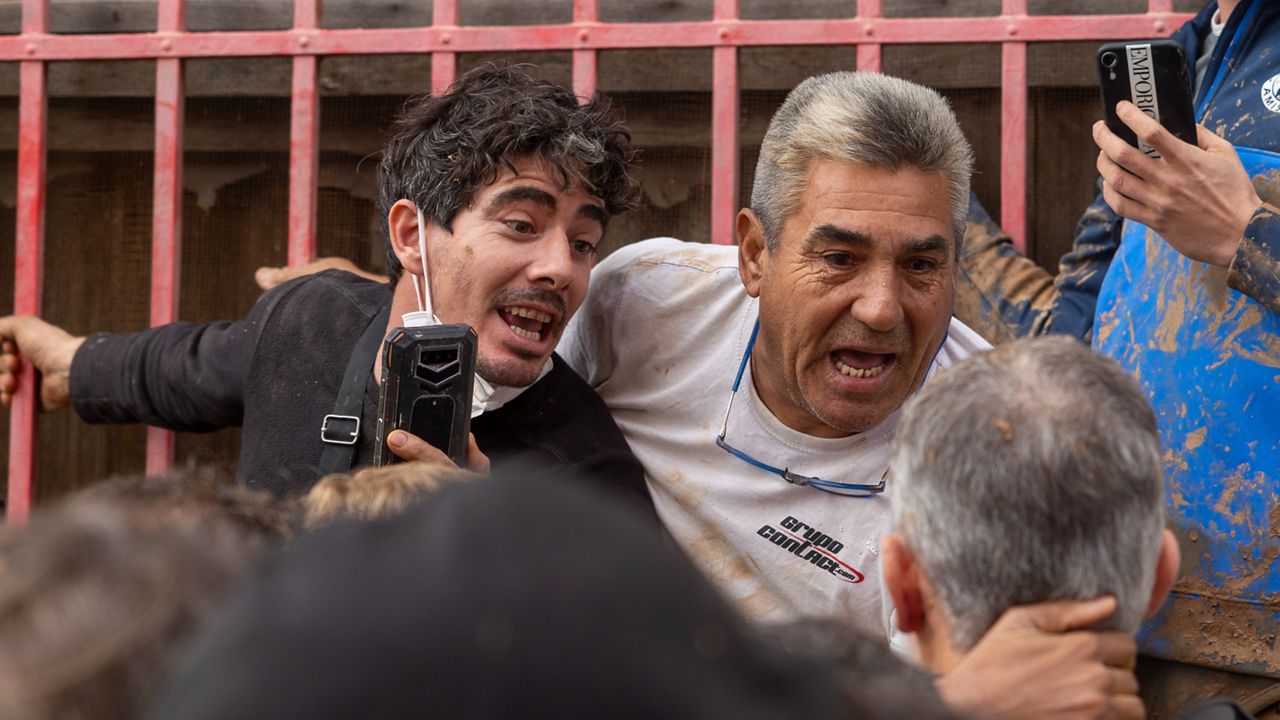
column 97, row 598
column 517, row 596
column 858, row 117
column 375, row 492
column 196, row 496
column 443, row 148
column 1031, row 473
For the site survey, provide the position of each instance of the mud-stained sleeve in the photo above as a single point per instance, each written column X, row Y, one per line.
column 1255, row 269
column 178, row 376
column 1003, row 294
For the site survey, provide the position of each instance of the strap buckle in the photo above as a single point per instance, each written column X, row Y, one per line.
column 340, row 429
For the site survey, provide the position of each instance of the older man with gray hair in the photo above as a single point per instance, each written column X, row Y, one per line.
column 1026, row 474
column 760, row 385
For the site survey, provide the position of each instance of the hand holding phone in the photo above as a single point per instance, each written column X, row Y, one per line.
column 1153, row 75
column 427, row 378
column 1198, row 196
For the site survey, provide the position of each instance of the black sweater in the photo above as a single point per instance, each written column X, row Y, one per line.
column 277, row 374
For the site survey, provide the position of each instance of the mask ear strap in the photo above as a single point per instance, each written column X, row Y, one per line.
column 425, row 303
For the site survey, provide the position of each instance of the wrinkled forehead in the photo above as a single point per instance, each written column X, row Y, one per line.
column 904, row 203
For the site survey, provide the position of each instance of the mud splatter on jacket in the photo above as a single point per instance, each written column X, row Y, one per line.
column 1004, row 295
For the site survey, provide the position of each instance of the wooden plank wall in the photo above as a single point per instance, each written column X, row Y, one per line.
column 101, row 119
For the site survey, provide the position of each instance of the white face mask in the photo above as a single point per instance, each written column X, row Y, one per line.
column 484, row 396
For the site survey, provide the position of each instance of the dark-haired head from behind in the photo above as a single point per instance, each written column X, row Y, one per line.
column 195, row 496
column 99, row 593
column 444, row 148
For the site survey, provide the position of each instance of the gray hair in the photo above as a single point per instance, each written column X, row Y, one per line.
column 1031, row 473
column 859, row 117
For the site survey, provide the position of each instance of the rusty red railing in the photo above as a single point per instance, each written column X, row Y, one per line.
column 867, row 32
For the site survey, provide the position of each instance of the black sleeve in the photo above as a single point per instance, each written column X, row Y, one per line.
column 179, row 376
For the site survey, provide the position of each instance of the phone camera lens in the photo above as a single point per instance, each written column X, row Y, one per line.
column 1109, row 60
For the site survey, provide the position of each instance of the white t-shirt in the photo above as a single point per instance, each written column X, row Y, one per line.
column 660, row 336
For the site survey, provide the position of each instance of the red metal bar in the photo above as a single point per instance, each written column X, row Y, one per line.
column 166, row 212
column 444, row 65
column 445, row 41
column 306, row 14
column 1013, row 134
column 166, row 228
column 584, row 73
column 868, row 57
column 724, row 131
column 35, row 16
column 28, row 281
column 304, row 145
column 585, row 15
column 28, row 278
column 304, row 161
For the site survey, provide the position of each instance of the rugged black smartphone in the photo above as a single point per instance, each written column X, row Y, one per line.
column 427, row 379
column 1151, row 74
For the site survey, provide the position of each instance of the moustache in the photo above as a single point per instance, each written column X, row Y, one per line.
column 516, row 296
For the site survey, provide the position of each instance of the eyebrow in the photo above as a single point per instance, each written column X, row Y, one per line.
column 933, row 243
column 833, row 233
column 543, row 198
column 594, row 212
column 518, row 194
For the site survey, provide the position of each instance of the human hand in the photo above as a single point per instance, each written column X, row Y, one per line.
column 410, row 447
column 1036, row 662
column 1199, row 198
column 268, row 277
column 48, row 348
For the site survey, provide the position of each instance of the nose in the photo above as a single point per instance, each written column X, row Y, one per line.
column 553, row 266
column 878, row 301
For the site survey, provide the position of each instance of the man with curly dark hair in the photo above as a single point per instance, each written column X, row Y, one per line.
column 507, row 184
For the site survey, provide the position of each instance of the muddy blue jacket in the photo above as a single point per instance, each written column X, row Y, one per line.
column 1003, row 295
column 1204, row 343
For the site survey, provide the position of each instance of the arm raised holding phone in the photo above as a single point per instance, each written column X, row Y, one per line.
column 1198, row 197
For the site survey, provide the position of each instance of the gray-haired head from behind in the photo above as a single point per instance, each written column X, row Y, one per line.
column 858, row 117
column 1031, row 473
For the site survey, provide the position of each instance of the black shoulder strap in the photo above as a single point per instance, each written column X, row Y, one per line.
column 340, row 430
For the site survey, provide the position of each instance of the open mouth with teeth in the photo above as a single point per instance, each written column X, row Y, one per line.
column 858, row 364
column 526, row 322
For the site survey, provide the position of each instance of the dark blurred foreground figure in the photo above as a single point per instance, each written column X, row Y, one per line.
column 500, row 600
column 98, row 593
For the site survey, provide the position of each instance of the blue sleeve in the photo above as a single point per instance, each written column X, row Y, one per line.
column 1255, row 269
column 1003, row 294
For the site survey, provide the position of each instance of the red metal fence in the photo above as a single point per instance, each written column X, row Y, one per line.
column 307, row 42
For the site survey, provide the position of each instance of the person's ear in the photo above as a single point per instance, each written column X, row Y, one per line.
column 902, row 580
column 402, row 229
column 751, row 250
column 1166, row 570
